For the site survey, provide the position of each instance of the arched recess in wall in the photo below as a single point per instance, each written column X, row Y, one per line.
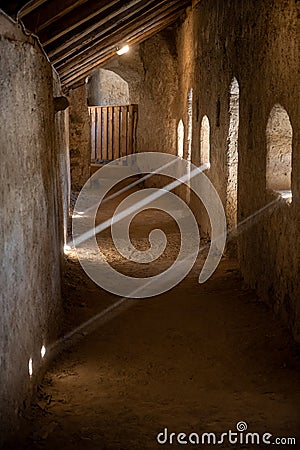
column 232, row 153
column 106, row 88
column 279, row 136
column 189, row 141
column 190, row 125
column 180, row 139
column 205, row 141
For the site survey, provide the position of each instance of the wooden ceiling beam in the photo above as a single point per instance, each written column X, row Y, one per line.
column 46, row 14
column 86, row 30
column 79, row 36
column 87, row 10
column 115, row 30
column 72, row 79
column 109, row 43
column 30, row 7
column 82, row 71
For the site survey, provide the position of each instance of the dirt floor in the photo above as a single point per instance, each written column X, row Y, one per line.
column 199, row 358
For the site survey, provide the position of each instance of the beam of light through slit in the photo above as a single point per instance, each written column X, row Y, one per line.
column 141, row 204
column 130, row 186
column 244, row 224
column 43, row 351
column 67, row 248
column 254, row 215
column 93, row 320
column 88, row 325
column 30, row 367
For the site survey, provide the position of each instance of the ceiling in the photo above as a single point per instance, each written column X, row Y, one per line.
column 80, row 35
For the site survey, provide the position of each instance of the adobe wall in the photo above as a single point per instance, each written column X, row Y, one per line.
column 31, row 238
column 159, row 96
column 106, row 88
column 80, row 137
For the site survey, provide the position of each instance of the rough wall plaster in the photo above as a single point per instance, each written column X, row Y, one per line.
column 159, row 96
column 130, row 68
column 106, row 88
column 80, row 137
column 279, row 134
column 30, row 244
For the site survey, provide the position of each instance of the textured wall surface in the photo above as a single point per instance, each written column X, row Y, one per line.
column 130, row 68
column 258, row 45
column 106, row 88
column 63, row 161
column 80, row 137
column 159, row 96
column 30, row 241
column 279, row 135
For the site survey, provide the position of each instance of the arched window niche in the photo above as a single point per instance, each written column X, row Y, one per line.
column 180, row 139
column 232, row 153
column 279, row 136
column 189, row 125
column 205, row 142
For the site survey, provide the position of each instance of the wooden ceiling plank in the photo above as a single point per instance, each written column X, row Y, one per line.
column 115, row 29
column 124, row 34
column 110, row 46
column 149, row 14
column 103, row 26
column 32, row 6
column 63, row 28
column 89, row 67
column 46, row 14
column 86, row 17
column 71, row 79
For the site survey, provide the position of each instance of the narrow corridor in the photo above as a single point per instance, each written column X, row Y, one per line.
column 195, row 104
column 199, row 358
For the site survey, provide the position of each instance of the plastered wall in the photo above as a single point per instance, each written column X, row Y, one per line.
column 31, row 173
column 106, row 88
column 159, row 95
column 79, row 137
